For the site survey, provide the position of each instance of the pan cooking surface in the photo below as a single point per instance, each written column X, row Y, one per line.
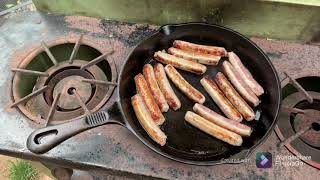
column 184, row 141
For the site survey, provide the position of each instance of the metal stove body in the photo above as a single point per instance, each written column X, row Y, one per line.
column 111, row 148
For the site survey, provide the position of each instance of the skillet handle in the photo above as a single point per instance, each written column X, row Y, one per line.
column 44, row 139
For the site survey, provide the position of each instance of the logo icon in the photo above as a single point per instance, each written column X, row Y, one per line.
column 264, row 160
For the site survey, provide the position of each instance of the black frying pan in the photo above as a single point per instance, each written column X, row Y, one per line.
column 186, row 143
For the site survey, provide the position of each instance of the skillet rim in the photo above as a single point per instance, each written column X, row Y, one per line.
column 244, row 154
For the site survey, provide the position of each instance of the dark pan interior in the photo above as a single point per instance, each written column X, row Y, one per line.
column 185, row 142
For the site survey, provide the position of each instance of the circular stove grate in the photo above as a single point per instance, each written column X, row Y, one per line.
column 299, row 119
column 51, row 88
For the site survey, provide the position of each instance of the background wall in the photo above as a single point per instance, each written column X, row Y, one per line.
column 277, row 19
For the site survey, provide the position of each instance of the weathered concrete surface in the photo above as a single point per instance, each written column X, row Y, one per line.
column 276, row 20
column 111, row 148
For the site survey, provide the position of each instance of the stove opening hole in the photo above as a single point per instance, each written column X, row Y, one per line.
column 309, row 83
column 305, row 105
column 71, row 90
column 316, row 126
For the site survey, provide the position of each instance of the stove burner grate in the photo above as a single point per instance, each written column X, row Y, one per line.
column 67, row 89
column 299, row 121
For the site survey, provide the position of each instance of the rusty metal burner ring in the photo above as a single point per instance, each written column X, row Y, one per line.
column 295, row 127
column 63, row 82
column 44, row 102
column 81, row 81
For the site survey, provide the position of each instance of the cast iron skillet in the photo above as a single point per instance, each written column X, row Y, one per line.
column 186, row 143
